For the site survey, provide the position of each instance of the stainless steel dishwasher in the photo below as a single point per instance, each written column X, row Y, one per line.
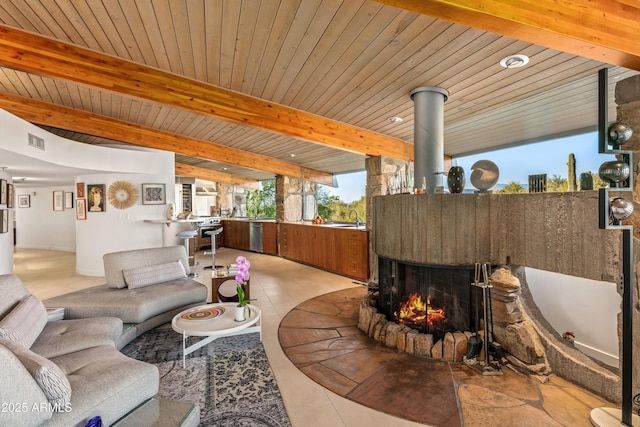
column 255, row 237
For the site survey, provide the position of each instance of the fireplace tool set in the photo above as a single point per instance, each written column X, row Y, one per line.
column 476, row 344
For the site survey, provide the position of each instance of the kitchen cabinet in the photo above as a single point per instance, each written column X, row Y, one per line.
column 236, row 234
column 340, row 250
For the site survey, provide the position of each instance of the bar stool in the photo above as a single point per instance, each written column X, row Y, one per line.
column 186, row 236
column 213, row 234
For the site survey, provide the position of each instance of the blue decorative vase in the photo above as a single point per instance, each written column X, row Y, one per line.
column 455, row 179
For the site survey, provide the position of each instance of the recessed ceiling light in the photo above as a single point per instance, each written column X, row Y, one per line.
column 395, row 119
column 223, row 169
column 514, row 61
column 292, row 155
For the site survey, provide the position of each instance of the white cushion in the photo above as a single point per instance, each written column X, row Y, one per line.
column 24, row 323
column 152, row 274
column 53, row 382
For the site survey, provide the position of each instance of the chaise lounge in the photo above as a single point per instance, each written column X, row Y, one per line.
column 144, row 288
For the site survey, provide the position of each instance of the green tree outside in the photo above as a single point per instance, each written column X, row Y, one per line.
column 262, row 203
column 557, row 184
column 332, row 208
column 512, row 187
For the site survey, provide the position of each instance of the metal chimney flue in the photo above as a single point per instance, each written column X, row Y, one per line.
column 428, row 136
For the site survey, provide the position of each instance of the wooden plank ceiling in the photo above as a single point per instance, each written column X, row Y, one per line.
column 306, row 84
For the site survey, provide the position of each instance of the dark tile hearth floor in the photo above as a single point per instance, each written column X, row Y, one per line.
column 321, row 338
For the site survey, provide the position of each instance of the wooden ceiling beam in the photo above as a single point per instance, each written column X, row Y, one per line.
column 43, row 56
column 57, row 116
column 603, row 30
column 215, row 176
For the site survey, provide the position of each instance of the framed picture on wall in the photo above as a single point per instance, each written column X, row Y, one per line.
column 5, row 221
column 81, row 209
column 68, row 200
column 10, row 196
column 24, row 201
column 95, row 198
column 153, row 194
column 58, row 200
column 3, row 191
column 80, row 190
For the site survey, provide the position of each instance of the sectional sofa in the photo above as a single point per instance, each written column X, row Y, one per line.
column 65, row 372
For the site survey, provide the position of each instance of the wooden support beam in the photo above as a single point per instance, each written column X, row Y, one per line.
column 43, row 113
column 603, row 30
column 214, row 176
column 36, row 54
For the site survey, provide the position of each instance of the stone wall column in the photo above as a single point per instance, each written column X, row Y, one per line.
column 376, row 186
column 379, row 170
column 280, row 196
column 291, row 196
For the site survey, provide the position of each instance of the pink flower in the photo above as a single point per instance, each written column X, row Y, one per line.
column 242, row 270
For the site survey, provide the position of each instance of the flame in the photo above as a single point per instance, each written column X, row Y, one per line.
column 416, row 312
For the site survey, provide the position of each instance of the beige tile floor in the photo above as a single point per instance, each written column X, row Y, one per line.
column 278, row 286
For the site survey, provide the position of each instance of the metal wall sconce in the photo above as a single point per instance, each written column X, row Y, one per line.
column 612, row 211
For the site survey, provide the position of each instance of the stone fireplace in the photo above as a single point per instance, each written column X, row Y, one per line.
column 444, row 295
column 454, row 231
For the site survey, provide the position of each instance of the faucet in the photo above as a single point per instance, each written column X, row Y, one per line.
column 357, row 218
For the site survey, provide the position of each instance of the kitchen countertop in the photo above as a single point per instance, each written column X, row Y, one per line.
column 337, row 225
column 248, row 219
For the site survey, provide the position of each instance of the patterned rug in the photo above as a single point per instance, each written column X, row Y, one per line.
column 230, row 379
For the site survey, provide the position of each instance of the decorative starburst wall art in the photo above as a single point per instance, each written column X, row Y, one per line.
column 122, row 195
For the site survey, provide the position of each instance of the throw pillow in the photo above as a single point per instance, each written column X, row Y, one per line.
column 24, row 323
column 49, row 377
column 153, row 274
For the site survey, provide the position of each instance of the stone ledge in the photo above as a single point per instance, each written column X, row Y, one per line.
column 565, row 360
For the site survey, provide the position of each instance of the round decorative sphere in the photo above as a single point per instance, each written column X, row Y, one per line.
column 621, row 209
column 614, row 171
column 619, row 133
column 485, row 174
column 455, row 179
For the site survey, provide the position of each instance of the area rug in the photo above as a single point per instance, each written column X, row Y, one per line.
column 230, row 379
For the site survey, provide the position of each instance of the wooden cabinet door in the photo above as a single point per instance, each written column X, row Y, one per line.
column 242, row 228
column 358, row 255
column 270, row 238
column 227, row 233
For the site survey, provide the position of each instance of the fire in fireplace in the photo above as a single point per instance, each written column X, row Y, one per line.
column 421, row 315
column 431, row 299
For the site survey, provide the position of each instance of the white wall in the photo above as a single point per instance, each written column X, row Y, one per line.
column 114, row 230
column 119, row 229
column 6, row 239
column 39, row 226
column 588, row 308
